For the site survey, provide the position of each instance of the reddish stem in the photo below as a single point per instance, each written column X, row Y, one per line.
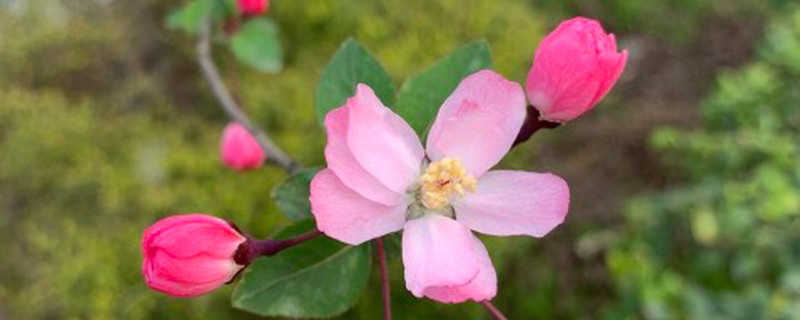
column 384, row 271
column 283, row 244
column 532, row 124
column 493, row 310
column 254, row 248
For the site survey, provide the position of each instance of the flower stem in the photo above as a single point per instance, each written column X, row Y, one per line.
column 254, row 248
column 283, row 244
column 384, row 271
column 496, row 314
column 274, row 153
column 532, row 124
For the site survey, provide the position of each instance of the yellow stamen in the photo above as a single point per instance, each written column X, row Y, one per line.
column 442, row 179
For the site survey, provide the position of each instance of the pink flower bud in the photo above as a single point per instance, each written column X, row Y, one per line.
column 574, row 67
column 253, row 7
column 239, row 150
column 189, row 255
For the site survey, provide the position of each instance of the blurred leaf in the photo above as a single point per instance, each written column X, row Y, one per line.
column 190, row 16
column 351, row 65
column 421, row 96
column 175, row 18
column 230, row 7
column 291, row 196
column 257, row 44
column 705, row 227
column 317, row 279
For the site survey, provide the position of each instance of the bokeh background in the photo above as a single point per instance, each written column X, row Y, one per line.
column 685, row 180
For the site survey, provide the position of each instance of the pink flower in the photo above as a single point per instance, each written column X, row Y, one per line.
column 574, row 67
column 253, row 7
column 189, row 255
column 239, row 150
column 380, row 180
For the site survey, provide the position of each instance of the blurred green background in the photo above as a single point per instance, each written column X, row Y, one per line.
column 685, row 180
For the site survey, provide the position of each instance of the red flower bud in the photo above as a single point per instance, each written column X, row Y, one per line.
column 190, row 255
column 574, row 67
column 253, row 7
column 239, row 150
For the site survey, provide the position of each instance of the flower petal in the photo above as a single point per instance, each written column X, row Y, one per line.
column 344, row 164
column 382, row 142
column 188, row 277
column 345, row 215
column 189, row 235
column 515, row 203
column 478, row 123
column 482, row 287
column 444, row 261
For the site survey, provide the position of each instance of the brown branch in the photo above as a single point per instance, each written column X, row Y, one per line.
column 274, row 153
column 384, row 271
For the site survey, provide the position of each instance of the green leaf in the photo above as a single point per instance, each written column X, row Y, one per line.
column 258, row 45
column 317, row 279
column 291, row 196
column 421, row 95
column 351, row 65
column 190, row 16
column 175, row 18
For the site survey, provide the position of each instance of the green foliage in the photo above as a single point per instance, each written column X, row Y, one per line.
column 257, row 44
column 724, row 246
column 319, row 279
column 421, row 95
column 350, row 66
column 291, row 196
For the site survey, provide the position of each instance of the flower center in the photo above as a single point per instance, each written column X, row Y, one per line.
column 441, row 180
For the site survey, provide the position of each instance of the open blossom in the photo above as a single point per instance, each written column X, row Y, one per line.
column 239, row 150
column 189, row 255
column 574, row 67
column 253, row 7
column 380, row 180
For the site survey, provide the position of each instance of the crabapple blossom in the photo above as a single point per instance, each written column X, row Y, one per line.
column 380, row 179
column 573, row 68
column 190, row 255
column 239, row 150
